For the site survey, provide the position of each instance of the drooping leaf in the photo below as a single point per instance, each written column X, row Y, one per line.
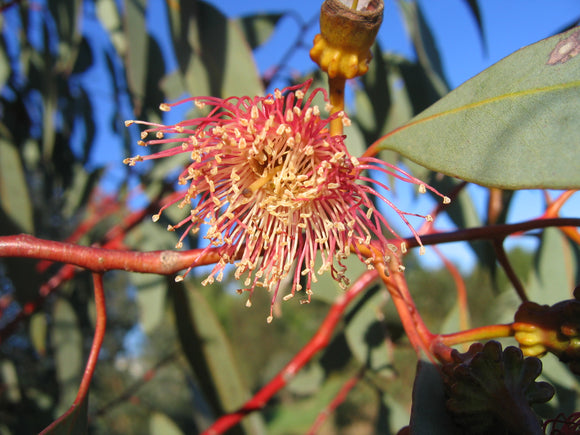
column 4, row 64
column 138, row 62
column 366, row 333
column 258, row 28
column 474, row 8
column 15, row 203
column 428, row 413
column 225, row 55
column 556, row 269
column 67, row 343
column 110, row 17
column 66, row 15
column 151, row 292
column 424, row 43
column 162, row 424
column 209, row 353
column 37, row 331
column 513, row 126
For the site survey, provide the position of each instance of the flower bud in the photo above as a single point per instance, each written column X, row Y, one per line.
column 556, row 329
column 342, row 49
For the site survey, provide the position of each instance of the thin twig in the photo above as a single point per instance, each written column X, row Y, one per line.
column 504, row 261
column 338, row 399
column 492, row 231
column 136, row 386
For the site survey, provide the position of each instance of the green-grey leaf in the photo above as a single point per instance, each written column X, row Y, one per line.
column 365, row 333
column 15, row 202
column 4, row 64
column 258, row 28
column 209, row 353
column 428, row 413
column 138, row 63
column 67, row 343
column 227, row 65
column 151, row 292
column 474, row 8
column 424, row 43
column 514, row 126
column 161, row 423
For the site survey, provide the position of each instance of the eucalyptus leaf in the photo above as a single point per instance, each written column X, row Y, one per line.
column 138, row 63
column 258, row 28
column 15, row 201
column 226, row 57
column 428, row 414
column 209, row 353
column 514, row 126
column 365, row 333
column 424, row 43
column 67, row 343
column 162, row 424
column 474, row 8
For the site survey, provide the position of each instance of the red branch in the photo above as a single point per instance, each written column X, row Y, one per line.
column 102, row 260
column 319, row 341
column 492, row 231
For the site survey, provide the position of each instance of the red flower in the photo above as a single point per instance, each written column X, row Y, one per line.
column 275, row 189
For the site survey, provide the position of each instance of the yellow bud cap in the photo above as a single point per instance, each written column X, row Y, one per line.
column 342, row 49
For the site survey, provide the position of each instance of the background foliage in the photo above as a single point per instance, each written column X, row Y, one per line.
column 177, row 355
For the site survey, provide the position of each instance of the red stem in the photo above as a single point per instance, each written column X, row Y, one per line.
column 476, row 334
column 504, row 261
column 416, row 330
column 101, row 324
column 319, row 341
column 100, row 327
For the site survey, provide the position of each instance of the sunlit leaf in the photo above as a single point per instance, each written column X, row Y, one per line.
column 162, row 424
column 512, row 126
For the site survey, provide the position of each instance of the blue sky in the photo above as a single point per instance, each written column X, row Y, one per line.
column 507, row 27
